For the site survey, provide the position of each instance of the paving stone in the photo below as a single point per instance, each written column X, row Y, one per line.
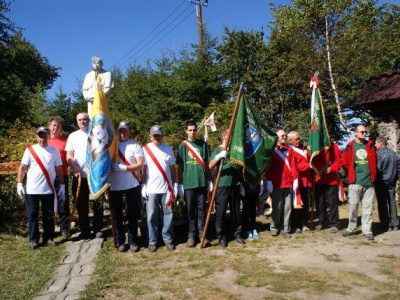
column 63, row 271
column 88, row 269
column 87, row 258
column 71, row 258
column 45, row 297
column 78, row 284
column 76, row 270
column 74, row 248
column 58, row 285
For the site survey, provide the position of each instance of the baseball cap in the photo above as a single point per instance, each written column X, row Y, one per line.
column 123, row 125
column 156, row 129
column 42, row 129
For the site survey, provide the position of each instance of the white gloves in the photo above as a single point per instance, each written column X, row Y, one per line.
column 176, row 187
column 20, row 190
column 144, row 190
column 180, row 190
column 295, row 184
column 119, row 167
column 220, row 155
column 210, row 186
column 270, row 187
column 61, row 192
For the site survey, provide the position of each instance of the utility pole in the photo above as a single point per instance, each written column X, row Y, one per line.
column 199, row 14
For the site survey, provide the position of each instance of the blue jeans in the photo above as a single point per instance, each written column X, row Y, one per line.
column 32, row 205
column 154, row 204
column 133, row 198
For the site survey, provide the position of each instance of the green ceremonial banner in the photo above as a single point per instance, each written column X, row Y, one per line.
column 319, row 138
column 252, row 143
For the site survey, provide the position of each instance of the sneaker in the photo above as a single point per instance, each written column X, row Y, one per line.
column 121, row 248
column 347, row 232
column 369, row 236
column 298, row 230
column 223, row 243
column 318, row 227
column 99, row 235
column 306, row 229
column 274, row 232
column 334, row 229
column 287, row 235
column 190, row 242
column 152, row 248
column 33, row 245
column 255, row 234
column 239, row 240
column 395, row 228
column 135, row 248
column 250, row 236
column 390, row 229
column 50, row 243
column 170, row 246
column 64, row 235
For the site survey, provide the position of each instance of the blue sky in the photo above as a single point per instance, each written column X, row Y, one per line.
column 69, row 33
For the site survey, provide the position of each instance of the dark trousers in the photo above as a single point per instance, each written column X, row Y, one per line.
column 32, row 205
column 196, row 203
column 133, row 198
column 225, row 195
column 82, row 207
column 300, row 216
column 249, row 211
column 387, row 209
column 64, row 206
column 327, row 195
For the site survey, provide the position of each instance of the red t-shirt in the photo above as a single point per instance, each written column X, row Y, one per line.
column 59, row 143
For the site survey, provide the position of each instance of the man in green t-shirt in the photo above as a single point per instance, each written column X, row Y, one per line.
column 228, row 192
column 193, row 175
column 359, row 160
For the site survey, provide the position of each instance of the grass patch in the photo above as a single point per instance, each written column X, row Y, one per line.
column 332, row 257
column 25, row 272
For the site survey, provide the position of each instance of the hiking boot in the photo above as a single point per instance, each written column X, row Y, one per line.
column 274, row 232
column 135, row 248
column 287, row 235
column 64, row 235
column 50, row 243
column 239, row 240
column 190, row 242
column 99, row 235
column 347, row 232
column 170, row 246
column 369, row 236
column 121, row 248
column 334, row 229
column 33, row 245
column 152, row 248
column 255, row 234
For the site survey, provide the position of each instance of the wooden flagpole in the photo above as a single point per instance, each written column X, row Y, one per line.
column 221, row 163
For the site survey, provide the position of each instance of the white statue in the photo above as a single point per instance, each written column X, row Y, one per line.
column 89, row 84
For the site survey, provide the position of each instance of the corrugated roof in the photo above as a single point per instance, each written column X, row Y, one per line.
column 380, row 89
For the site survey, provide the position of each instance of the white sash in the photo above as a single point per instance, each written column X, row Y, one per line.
column 283, row 157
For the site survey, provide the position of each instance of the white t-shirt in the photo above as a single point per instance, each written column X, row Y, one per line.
column 36, row 183
column 154, row 179
column 77, row 142
column 124, row 180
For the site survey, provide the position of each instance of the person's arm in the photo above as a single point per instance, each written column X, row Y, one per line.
column 60, row 174
column 75, row 168
column 136, row 167
column 21, row 172
column 337, row 161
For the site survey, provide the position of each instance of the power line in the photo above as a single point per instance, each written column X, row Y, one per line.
column 158, row 26
column 187, row 16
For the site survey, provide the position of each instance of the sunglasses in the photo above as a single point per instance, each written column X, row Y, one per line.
column 362, row 132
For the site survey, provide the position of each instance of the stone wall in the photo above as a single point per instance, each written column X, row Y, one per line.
column 389, row 128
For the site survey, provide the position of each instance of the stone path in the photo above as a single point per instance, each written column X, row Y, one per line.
column 75, row 271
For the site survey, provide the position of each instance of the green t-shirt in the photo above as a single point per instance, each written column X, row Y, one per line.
column 361, row 164
column 229, row 172
column 193, row 173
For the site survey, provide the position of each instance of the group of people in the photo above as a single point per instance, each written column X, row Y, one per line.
column 288, row 175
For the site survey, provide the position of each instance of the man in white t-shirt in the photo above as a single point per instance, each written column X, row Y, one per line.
column 158, row 191
column 124, row 181
column 76, row 156
column 42, row 163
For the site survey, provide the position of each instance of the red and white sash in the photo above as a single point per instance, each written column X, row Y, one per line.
column 299, row 151
column 46, row 175
column 283, row 158
column 170, row 189
column 126, row 162
column 195, row 154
